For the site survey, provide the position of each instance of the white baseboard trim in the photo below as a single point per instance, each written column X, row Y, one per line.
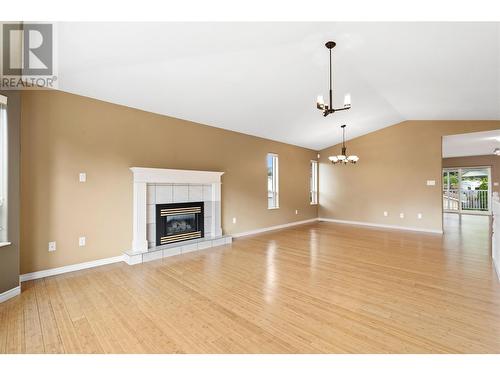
column 387, row 226
column 70, row 268
column 10, row 294
column 281, row 226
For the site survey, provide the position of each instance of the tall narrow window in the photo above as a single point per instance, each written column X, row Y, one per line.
column 313, row 194
column 272, row 181
column 3, row 169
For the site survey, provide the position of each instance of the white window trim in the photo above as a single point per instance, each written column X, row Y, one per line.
column 3, row 180
column 276, row 177
column 316, row 182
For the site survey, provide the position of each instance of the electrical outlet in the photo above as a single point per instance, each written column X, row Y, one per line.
column 386, row 213
column 402, row 215
column 81, row 241
column 83, row 177
column 234, row 220
column 52, row 246
column 296, row 212
column 431, row 182
column 419, row 215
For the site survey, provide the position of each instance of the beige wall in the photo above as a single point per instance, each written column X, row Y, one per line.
column 395, row 164
column 9, row 255
column 492, row 161
column 64, row 134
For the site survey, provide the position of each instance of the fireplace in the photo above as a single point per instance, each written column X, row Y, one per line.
column 177, row 222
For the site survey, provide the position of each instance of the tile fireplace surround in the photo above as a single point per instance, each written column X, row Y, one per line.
column 158, row 186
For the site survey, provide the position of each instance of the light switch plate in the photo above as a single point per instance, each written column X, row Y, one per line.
column 386, row 213
column 419, row 216
column 431, row 182
column 234, row 220
column 402, row 215
column 52, row 246
column 81, row 241
column 83, row 177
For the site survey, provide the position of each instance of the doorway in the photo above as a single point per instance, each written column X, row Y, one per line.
column 467, row 190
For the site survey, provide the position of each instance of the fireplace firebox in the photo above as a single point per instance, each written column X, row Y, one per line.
column 177, row 222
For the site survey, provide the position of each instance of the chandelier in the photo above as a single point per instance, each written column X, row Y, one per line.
column 320, row 103
column 343, row 158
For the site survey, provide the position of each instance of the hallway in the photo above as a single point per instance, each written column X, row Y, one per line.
column 468, row 233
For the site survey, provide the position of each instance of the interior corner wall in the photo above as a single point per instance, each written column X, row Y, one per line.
column 64, row 134
column 9, row 255
column 395, row 164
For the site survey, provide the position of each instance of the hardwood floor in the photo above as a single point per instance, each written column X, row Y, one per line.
column 319, row 288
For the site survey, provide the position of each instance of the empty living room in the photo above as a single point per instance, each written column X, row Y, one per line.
column 269, row 185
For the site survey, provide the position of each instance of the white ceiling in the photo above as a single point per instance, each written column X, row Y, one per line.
column 263, row 78
column 469, row 144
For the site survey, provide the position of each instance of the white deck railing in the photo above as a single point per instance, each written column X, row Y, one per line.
column 471, row 200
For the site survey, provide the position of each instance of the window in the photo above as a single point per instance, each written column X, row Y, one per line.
column 272, row 181
column 313, row 194
column 3, row 169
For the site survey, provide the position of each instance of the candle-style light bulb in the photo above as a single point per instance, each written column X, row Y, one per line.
column 320, row 102
column 347, row 101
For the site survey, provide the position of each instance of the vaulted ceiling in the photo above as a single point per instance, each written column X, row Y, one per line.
column 263, row 78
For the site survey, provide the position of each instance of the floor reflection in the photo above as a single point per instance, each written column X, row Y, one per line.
column 271, row 275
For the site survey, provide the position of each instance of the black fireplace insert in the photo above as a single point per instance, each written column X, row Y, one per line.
column 177, row 222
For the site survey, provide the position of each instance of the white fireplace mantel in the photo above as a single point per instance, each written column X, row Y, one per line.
column 144, row 176
column 175, row 176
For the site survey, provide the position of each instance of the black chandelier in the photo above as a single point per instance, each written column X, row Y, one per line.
column 343, row 158
column 320, row 103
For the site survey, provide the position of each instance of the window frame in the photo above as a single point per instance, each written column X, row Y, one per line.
column 4, row 174
column 313, row 183
column 275, row 181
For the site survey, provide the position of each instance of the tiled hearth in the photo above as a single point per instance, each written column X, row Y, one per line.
column 154, row 186
column 178, row 248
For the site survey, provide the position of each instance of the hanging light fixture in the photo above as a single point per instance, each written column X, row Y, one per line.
column 343, row 158
column 320, row 103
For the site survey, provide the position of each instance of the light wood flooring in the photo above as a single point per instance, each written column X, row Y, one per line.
column 319, row 288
